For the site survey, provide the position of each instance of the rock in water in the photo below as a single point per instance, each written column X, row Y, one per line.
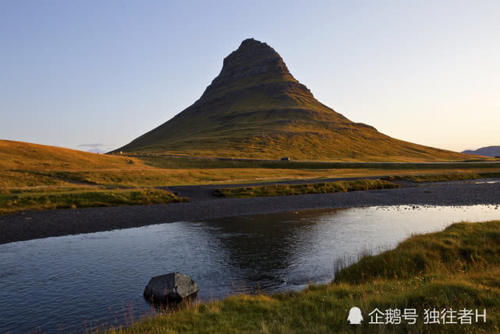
column 173, row 287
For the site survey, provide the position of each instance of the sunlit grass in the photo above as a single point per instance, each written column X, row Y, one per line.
column 81, row 198
column 47, row 170
column 309, row 188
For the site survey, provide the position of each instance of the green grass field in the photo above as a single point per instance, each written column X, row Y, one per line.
column 81, row 198
column 454, row 269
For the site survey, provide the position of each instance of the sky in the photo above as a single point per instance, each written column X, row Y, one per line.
column 94, row 75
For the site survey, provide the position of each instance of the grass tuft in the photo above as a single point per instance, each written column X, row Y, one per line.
column 442, row 177
column 300, row 189
column 78, row 198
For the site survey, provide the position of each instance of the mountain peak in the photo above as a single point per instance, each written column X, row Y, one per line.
column 257, row 56
column 255, row 108
column 252, row 42
column 253, row 47
column 253, row 62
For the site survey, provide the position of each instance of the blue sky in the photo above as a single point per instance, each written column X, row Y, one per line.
column 100, row 73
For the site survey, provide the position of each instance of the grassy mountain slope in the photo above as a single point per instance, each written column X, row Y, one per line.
column 28, row 156
column 256, row 109
column 38, row 177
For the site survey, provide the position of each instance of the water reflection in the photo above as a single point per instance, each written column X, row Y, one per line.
column 74, row 283
column 290, row 250
column 263, row 249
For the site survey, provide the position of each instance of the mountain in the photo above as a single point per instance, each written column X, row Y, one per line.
column 255, row 108
column 489, row 151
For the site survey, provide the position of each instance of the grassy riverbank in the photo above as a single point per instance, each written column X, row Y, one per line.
column 454, row 269
column 39, row 199
column 300, row 189
column 138, row 177
column 464, row 176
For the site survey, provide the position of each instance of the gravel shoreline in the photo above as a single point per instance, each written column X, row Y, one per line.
column 40, row 224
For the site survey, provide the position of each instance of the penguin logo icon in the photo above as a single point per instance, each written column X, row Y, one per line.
column 355, row 317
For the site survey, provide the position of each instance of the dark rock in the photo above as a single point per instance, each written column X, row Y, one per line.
column 173, row 287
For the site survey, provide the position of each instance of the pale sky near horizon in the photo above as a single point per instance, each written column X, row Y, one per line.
column 97, row 74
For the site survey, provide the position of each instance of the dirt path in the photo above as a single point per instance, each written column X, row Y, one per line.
column 40, row 224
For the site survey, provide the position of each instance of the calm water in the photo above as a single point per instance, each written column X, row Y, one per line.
column 74, row 283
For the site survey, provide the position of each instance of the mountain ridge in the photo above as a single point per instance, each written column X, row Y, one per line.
column 255, row 108
column 489, row 151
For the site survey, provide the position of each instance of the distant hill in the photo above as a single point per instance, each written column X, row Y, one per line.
column 489, row 151
column 26, row 156
column 255, row 108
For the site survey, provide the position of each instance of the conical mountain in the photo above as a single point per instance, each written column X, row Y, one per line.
column 256, row 109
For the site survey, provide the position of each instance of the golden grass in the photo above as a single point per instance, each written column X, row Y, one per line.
column 26, row 156
column 28, row 167
column 169, row 177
